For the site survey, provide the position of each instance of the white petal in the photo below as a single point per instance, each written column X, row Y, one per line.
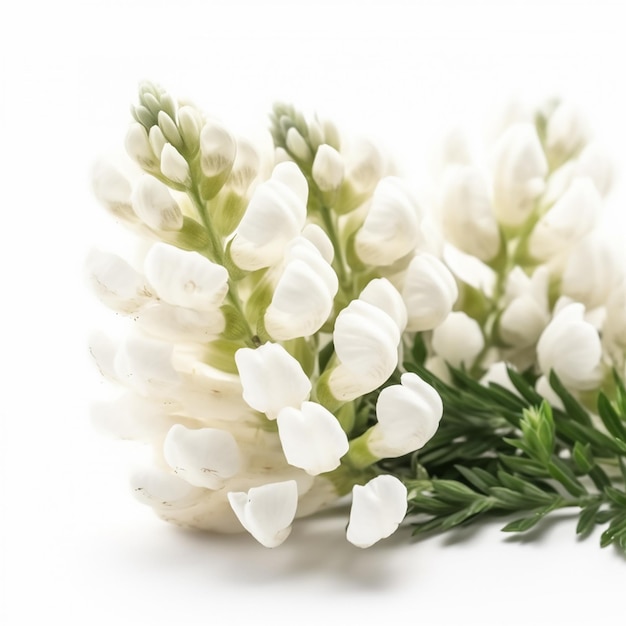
column 186, row 278
column 458, row 340
column 110, row 186
column 377, row 510
column 328, row 168
column 519, row 173
column 366, row 342
column 312, row 438
column 468, row 218
column 138, row 146
column 408, row 416
column 571, row 347
column 204, row 457
column 178, row 324
column 271, row 378
column 275, row 215
column 173, row 165
column 318, row 237
column 383, row 295
column 571, row 218
column 567, row 130
column 154, row 205
column 429, row 292
column 145, row 364
column 392, row 226
column 116, row 283
column 163, row 490
column 103, row 350
column 217, row 148
column 300, row 305
column 267, row 512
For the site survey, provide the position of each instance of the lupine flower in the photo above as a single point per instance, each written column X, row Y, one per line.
column 377, row 510
column 458, row 340
column 571, row 347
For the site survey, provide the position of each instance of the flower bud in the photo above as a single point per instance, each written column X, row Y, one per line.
column 173, row 165
column 429, row 292
column 312, row 438
column 328, row 168
column 468, row 218
column 154, row 205
column 271, row 379
column 458, row 340
column 204, row 457
column 408, row 416
column 138, row 147
column 392, row 227
column 377, row 510
column 297, row 145
column 186, row 279
column 218, row 149
column 267, row 512
column 519, row 173
column 571, row 348
column 169, row 129
column 568, row 221
column 189, row 124
column 566, row 132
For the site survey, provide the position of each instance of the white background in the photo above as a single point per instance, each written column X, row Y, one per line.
column 76, row 548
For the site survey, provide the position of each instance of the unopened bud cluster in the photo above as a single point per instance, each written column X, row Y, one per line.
column 272, row 296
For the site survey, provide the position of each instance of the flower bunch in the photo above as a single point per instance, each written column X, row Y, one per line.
column 299, row 322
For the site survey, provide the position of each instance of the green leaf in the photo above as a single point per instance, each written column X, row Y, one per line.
column 526, row 523
column 561, row 472
column 454, row 491
column 616, row 529
column 582, row 457
column 573, row 408
column 588, row 518
column 616, row 496
column 610, row 418
column 479, row 478
column 523, row 465
column 477, row 507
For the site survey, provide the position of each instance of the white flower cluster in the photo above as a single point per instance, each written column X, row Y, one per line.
column 271, row 298
column 540, row 287
column 267, row 319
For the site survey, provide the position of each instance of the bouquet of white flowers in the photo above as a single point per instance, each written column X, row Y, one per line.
column 301, row 328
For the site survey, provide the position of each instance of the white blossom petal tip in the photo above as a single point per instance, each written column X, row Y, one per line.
column 154, row 205
column 267, row 512
column 204, row 457
column 312, row 438
column 377, row 510
column 408, row 416
column 271, row 379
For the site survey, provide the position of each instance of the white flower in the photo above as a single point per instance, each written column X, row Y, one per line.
column 498, row 373
column 520, row 170
column 111, row 187
column 328, row 168
column 526, row 313
column 116, row 283
column 384, row 296
column 366, row 343
column 138, row 146
column 318, row 237
column 569, row 220
column 458, row 340
column 595, row 163
column 592, row 271
column 571, row 348
column 408, row 416
column 154, row 205
column 275, row 215
column 377, row 510
column 429, row 292
column 204, row 457
column 271, row 378
column 312, row 438
column 162, row 490
column 303, row 298
column 392, row 227
column 145, row 364
column 544, row 389
column 217, row 149
column 468, row 218
column 186, row 279
column 567, row 131
column 267, row 512
column 173, row 165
